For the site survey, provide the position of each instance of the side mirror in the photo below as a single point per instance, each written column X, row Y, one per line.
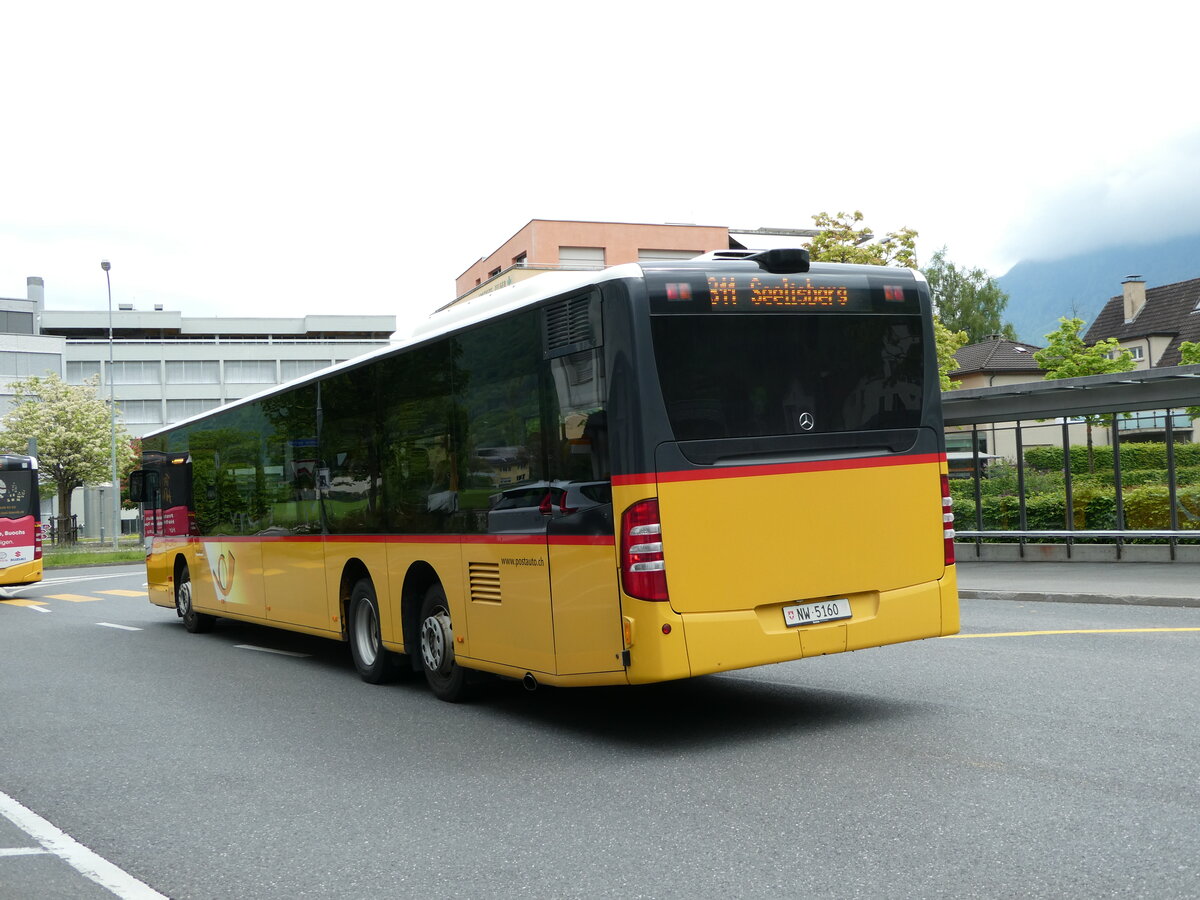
column 137, row 486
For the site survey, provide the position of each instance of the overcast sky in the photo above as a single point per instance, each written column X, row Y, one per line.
column 289, row 158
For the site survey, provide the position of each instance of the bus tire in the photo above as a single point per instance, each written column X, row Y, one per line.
column 375, row 664
column 194, row 622
column 446, row 678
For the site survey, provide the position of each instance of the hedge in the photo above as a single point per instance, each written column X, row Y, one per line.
column 1095, row 509
column 1133, row 457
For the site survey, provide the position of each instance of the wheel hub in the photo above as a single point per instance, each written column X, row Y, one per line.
column 366, row 636
column 437, row 642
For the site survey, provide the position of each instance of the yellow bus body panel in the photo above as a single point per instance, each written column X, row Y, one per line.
column 508, row 602
column 340, row 553
column 740, row 549
column 445, row 558
column 738, row 543
column 587, row 614
column 22, row 573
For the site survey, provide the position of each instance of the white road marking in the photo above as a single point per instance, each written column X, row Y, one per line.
column 39, row 609
column 22, row 851
column 269, row 650
column 87, row 863
column 122, row 627
column 73, row 578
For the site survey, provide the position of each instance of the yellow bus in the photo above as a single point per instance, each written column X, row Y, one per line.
column 645, row 473
column 20, row 521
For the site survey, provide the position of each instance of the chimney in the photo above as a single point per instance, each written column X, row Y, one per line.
column 1135, row 296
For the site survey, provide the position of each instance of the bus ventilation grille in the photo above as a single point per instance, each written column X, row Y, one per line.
column 485, row 582
column 571, row 325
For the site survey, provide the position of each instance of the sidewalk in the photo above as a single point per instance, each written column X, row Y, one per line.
column 1132, row 583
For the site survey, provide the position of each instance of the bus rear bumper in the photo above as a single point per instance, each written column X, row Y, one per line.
column 720, row 641
column 21, row 573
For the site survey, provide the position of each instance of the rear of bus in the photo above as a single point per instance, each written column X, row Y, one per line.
column 785, row 495
column 20, row 521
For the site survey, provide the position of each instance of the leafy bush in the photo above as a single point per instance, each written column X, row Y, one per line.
column 1134, row 457
column 1094, row 508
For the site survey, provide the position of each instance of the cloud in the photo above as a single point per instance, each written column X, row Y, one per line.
column 1135, row 201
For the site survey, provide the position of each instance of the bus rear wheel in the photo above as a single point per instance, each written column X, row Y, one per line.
column 194, row 622
column 447, row 679
column 375, row 664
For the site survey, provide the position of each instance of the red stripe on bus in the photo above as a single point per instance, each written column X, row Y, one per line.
column 557, row 540
column 823, row 465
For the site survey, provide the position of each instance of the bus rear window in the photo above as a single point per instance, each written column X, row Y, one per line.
column 759, row 375
column 16, row 494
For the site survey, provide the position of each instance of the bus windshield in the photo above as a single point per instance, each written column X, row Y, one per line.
column 728, row 376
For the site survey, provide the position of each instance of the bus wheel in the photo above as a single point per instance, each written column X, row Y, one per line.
column 374, row 663
column 446, row 678
column 195, row 622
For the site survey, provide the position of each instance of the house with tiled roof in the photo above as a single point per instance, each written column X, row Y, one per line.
column 1152, row 325
column 996, row 360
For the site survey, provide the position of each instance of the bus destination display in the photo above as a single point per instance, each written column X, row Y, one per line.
column 688, row 292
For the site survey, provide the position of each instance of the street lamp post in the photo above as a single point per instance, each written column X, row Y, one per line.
column 112, row 413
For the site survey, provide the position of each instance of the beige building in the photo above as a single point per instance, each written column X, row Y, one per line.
column 546, row 245
column 1152, row 325
column 993, row 362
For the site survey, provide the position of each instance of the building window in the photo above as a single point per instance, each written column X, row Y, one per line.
column 193, row 371
column 520, row 259
column 494, row 272
column 296, row 368
column 581, row 257
column 136, row 371
column 1152, row 419
column 250, row 371
column 16, row 322
column 79, row 372
column 140, row 412
column 21, row 365
column 184, row 409
column 652, row 255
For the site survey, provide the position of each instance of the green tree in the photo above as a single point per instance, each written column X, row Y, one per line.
column 948, row 343
column 73, row 431
column 967, row 300
column 843, row 238
column 1189, row 355
column 1066, row 355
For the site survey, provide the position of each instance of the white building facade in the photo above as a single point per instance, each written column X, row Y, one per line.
column 163, row 367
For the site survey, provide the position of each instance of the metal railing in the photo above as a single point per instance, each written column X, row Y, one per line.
column 1011, row 413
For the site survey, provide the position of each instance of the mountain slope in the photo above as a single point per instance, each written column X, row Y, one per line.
column 1040, row 292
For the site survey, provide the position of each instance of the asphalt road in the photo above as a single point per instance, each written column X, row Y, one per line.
column 1013, row 765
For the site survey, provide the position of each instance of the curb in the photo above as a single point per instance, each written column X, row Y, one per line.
column 1113, row 599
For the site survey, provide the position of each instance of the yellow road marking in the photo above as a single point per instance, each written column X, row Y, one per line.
column 124, row 593
column 72, row 598
column 1073, row 631
column 19, row 602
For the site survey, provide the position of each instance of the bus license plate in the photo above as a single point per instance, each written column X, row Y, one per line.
column 812, row 613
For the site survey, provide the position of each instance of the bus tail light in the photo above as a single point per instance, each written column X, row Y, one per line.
column 947, row 520
column 643, row 569
column 37, row 539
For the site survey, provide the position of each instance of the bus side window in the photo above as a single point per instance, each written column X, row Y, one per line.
column 577, row 394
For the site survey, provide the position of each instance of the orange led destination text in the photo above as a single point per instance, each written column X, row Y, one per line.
column 724, row 291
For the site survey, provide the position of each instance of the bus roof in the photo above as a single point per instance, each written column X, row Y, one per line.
column 506, row 300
